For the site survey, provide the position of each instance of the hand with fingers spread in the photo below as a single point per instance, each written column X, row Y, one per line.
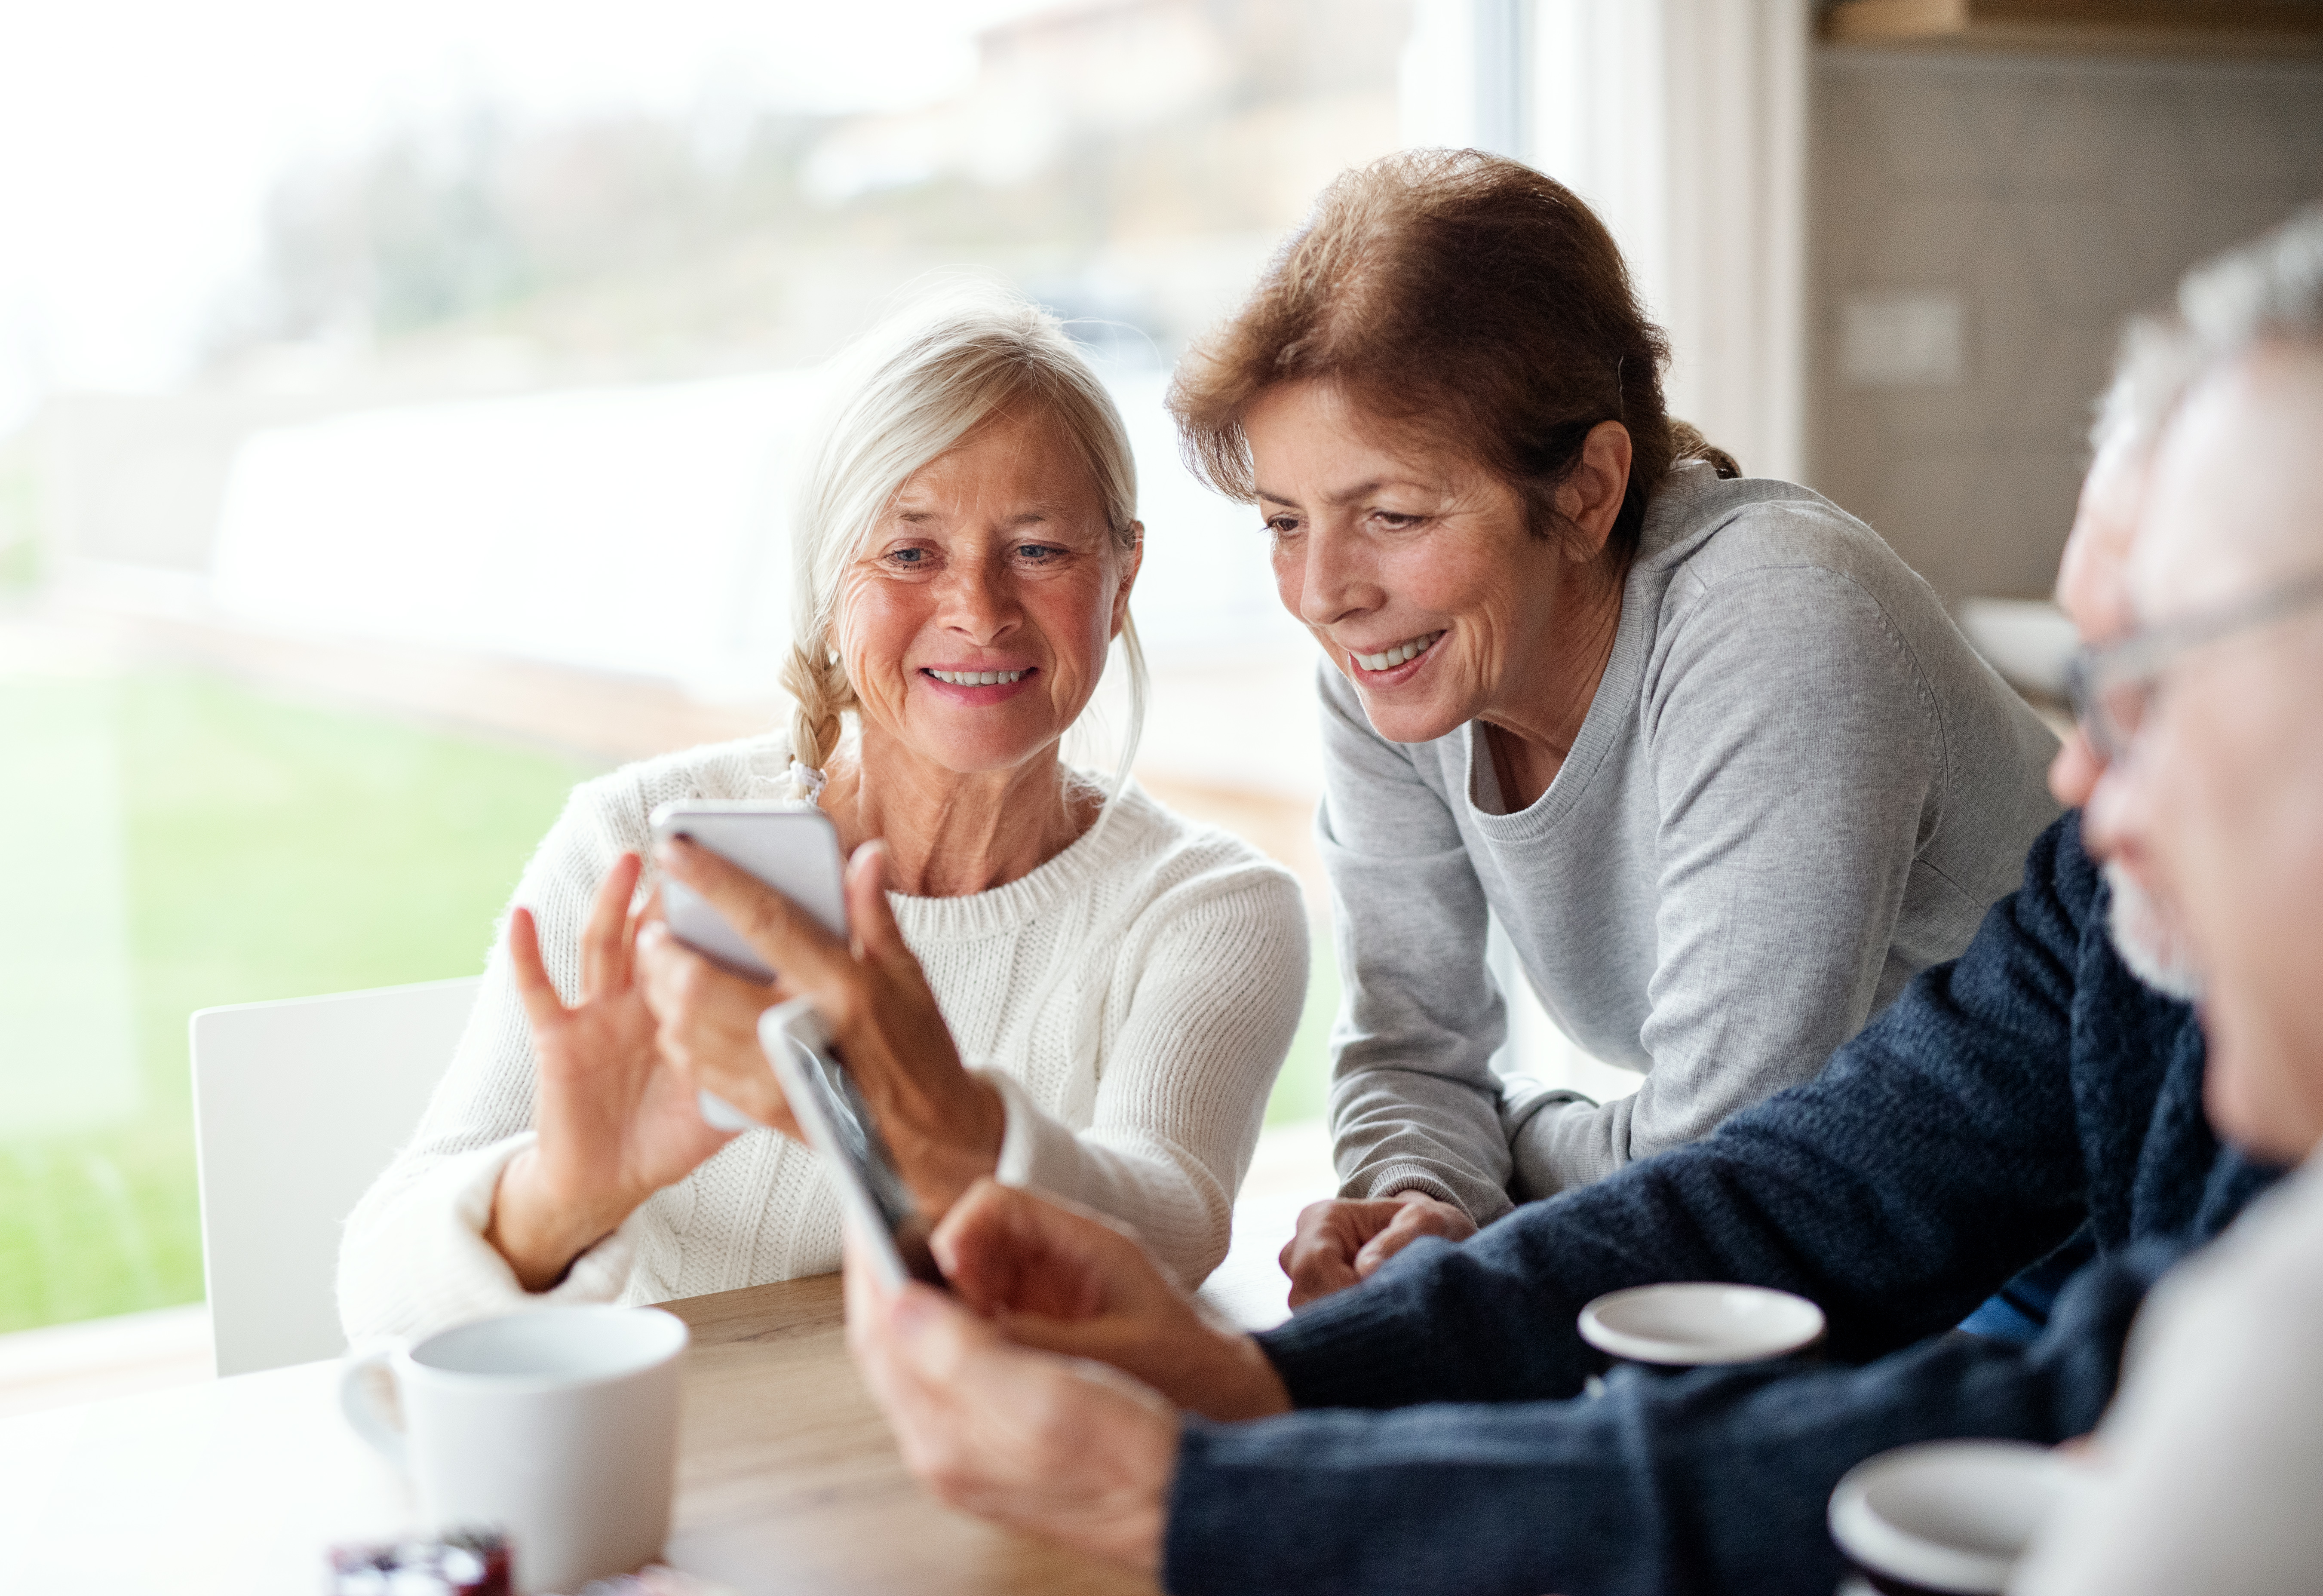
column 943, row 1125
column 1058, row 1447
column 616, row 1122
column 1061, row 1279
column 1342, row 1242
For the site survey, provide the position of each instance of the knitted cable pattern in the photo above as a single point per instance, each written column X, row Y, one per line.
column 1132, row 997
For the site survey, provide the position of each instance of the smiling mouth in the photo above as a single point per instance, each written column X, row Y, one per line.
column 976, row 678
column 1388, row 659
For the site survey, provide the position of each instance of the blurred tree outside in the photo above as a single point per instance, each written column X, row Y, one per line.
column 1130, row 162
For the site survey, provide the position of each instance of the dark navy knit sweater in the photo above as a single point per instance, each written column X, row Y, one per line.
column 2007, row 1100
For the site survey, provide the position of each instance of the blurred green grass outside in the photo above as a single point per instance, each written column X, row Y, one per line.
column 268, row 849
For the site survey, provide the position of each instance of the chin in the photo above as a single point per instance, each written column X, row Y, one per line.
column 1401, row 722
column 982, row 759
column 2239, row 1111
column 2147, row 940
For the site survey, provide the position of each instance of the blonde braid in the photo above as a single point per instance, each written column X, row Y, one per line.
column 820, row 694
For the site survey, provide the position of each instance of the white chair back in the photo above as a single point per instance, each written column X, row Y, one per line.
column 297, row 1107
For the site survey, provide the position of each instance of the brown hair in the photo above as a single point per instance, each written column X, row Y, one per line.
column 1463, row 294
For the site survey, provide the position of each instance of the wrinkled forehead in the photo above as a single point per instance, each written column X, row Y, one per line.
column 1021, row 460
column 2234, row 500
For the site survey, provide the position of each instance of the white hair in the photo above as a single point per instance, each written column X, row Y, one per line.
column 903, row 395
column 2269, row 290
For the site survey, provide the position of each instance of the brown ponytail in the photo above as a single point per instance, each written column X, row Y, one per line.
column 1687, row 443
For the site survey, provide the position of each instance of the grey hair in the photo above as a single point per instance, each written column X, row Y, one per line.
column 2269, row 290
column 903, row 394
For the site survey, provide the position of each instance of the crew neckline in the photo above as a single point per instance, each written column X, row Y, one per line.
column 1010, row 905
column 1667, row 520
column 1004, row 908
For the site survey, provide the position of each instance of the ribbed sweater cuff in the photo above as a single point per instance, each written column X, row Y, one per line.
column 454, row 1275
column 1357, row 1349
column 1390, row 1179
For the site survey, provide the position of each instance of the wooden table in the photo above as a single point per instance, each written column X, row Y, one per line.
column 787, row 1480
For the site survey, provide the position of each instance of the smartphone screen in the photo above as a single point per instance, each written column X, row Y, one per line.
column 839, row 1123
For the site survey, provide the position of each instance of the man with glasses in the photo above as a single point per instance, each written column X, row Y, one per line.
column 1420, row 1433
column 2210, row 715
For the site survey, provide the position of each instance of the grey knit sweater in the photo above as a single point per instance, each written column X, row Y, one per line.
column 1796, row 787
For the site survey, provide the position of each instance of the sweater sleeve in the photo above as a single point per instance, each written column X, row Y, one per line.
column 1709, row 1481
column 1798, row 760
column 404, row 1266
column 1937, row 1156
column 1415, row 1105
column 1214, row 979
column 448, row 1273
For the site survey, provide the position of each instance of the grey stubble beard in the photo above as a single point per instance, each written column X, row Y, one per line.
column 2148, row 943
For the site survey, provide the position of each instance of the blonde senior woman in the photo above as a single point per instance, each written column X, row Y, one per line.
column 1096, row 993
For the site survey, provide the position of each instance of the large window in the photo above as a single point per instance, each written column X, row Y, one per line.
column 395, row 426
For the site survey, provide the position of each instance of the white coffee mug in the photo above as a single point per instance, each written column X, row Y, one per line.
column 557, row 1427
column 1950, row 1517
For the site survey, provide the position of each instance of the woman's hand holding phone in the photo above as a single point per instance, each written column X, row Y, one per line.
column 616, row 1122
column 706, row 1025
column 943, row 1125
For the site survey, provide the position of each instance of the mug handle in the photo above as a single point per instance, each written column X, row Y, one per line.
column 361, row 1407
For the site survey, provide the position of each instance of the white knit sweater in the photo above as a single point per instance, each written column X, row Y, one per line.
column 1131, row 998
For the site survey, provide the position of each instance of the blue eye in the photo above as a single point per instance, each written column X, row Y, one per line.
column 908, row 556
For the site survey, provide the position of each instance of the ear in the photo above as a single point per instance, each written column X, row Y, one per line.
column 1131, row 563
column 1590, row 499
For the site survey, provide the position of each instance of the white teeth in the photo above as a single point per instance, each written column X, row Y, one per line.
column 978, row 678
column 1399, row 654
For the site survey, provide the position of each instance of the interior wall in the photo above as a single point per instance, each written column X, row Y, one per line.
column 1979, row 226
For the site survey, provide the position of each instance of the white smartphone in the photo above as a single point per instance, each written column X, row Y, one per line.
column 793, row 849
column 839, row 1125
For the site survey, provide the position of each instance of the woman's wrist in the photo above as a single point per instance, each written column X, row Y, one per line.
column 539, row 1232
column 945, row 1148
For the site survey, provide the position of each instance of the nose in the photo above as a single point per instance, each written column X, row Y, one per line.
column 2076, row 770
column 1332, row 577
column 979, row 602
column 2113, row 814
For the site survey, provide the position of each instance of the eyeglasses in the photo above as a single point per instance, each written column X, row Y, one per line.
column 2112, row 687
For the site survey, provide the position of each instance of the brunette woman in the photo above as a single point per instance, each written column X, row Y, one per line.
column 1717, row 761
